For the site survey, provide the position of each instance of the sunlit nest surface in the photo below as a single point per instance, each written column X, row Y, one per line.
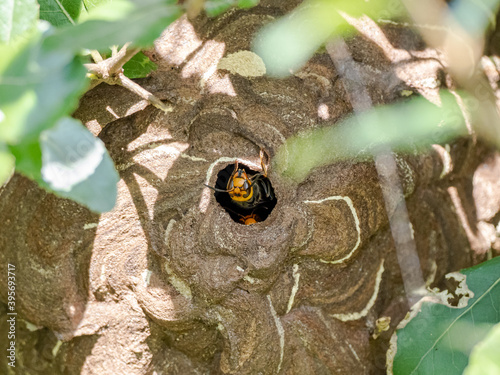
column 261, row 210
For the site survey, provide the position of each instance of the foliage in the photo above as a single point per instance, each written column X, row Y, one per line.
column 484, row 359
column 42, row 78
column 403, row 127
column 16, row 17
column 61, row 12
column 440, row 337
column 77, row 166
column 216, row 7
column 285, row 45
column 139, row 66
column 118, row 23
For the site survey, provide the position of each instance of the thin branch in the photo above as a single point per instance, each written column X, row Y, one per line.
column 114, row 64
column 121, row 58
column 399, row 221
column 96, row 56
column 126, row 82
column 110, row 71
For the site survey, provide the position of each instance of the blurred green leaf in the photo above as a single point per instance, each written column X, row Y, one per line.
column 245, row 4
column 89, row 4
column 7, row 161
column 70, row 154
column 475, row 16
column 76, row 165
column 439, row 338
column 216, row 7
column 60, row 12
column 139, row 66
column 286, row 44
column 138, row 21
column 402, row 127
column 33, row 86
column 10, row 50
column 41, row 81
column 109, row 11
column 28, row 159
column 15, row 116
column 16, row 17
column 484, row 359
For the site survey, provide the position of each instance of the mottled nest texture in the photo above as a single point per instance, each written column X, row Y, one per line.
column 168, row 283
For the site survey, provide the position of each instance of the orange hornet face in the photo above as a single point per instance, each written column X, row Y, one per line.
column 239, row 186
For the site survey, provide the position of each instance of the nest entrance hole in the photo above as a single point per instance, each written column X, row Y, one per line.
column 244, row 215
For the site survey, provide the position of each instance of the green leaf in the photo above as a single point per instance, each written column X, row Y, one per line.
column 401, row 127
column 10, row 50
column 33, row 87
column 60, row 12
column 89, row 4
column 76, row 165
column 70, row 154
column 484, row 359
column 7, row 162
column 109, row 11
column 245, row 4
column 439, row 338
column 139, row 66
column 16, row 17
column 475, row 16
column 17, row 105
column 216, row 7
column 15, row 115
column 28, row 159
column 141, row 22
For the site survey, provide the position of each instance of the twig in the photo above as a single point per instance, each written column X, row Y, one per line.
column 126, row 82
column 114, row 64
column 96, row 56
column 110, row 71
column 399, row 221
